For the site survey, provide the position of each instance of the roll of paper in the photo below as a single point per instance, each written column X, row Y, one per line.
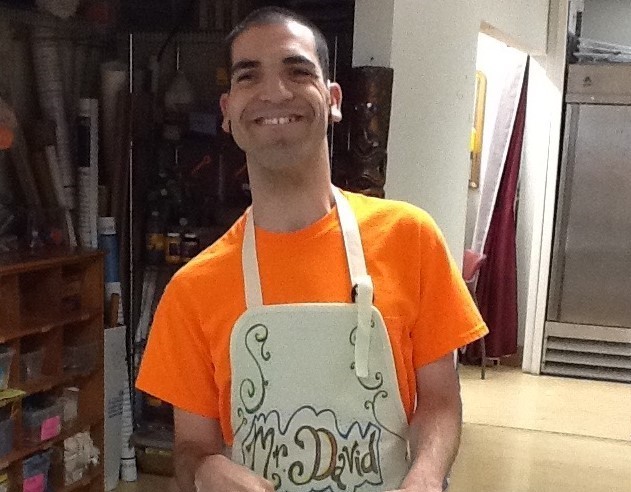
column 88, row 173
column 113, row 80
column 129, row 472
column 65, row 197
column 108, row 242
column 47, row 64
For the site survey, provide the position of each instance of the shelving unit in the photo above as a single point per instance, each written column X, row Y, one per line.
column 72, row 27
column 49, row 301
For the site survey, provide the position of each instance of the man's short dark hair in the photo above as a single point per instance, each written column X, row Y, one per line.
column 279, row 15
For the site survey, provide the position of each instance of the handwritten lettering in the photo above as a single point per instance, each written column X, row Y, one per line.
column 313, row 450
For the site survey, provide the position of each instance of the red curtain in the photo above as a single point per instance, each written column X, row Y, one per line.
column 496, row 289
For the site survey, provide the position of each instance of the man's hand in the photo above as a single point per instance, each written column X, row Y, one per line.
column 217, row 473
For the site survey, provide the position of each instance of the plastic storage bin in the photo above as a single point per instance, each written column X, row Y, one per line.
column 6, row 434
column 31, row 365
column 35, row 472
column 70, row 402
column 6, row 356
column 80, row 357
column 42, row 422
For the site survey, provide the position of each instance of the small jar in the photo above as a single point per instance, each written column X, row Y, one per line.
column 173, row 254
column 190, row 246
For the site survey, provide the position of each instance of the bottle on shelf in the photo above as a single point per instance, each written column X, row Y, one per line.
column 155, row 239
column 173, row 254
column 189, row 247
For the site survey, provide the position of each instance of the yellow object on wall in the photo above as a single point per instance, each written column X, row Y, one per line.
column 477, row 132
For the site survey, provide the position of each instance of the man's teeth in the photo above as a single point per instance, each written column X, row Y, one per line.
column 278, row 121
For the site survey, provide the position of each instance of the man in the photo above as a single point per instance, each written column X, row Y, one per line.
column 320, row 329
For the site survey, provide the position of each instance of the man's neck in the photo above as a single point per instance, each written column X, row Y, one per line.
column 283, row 202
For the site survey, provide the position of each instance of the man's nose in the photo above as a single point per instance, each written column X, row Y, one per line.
column 274, row 89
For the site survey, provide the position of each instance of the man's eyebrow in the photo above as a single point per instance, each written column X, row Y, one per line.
column 244, row 65
column 299, row 60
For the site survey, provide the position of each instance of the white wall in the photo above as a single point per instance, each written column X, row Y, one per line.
column 431, row 113
column 433, row 52
column 523, row 24
column 372, row 34
column 607, row 20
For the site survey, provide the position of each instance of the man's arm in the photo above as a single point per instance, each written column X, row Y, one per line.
column 200, row 465
column 435, row 427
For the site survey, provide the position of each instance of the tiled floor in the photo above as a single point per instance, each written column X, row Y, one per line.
column 525, row 433
column 510, row 398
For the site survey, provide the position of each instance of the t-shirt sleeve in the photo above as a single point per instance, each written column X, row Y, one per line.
column 177, row 365
column 447, row 315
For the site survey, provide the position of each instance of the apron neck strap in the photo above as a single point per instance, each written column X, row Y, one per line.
column 352, row 246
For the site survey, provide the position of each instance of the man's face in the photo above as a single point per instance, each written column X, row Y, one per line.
column 279, row 103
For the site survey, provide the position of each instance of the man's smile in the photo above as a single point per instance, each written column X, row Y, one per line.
column 277, row 120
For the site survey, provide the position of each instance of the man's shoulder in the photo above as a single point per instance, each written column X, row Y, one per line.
column 388, row 213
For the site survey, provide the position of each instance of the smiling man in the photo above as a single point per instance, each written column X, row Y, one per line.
column 310, row 348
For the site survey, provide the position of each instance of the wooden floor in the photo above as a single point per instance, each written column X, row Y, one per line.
column 526, row 433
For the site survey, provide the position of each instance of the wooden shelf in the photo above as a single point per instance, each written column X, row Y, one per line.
column 88, row 479
column 46, row 383
column 24, row 261
column 71, row 26
column 18, row 454
column 35, row 324
column 39, row 385
column 35, row 292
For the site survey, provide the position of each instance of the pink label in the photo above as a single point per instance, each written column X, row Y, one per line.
column 34, row 484
column 50, row 428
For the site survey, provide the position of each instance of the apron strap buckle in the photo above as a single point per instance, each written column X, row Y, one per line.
column 354, row 294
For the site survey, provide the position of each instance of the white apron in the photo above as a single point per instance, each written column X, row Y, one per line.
column 315, row 400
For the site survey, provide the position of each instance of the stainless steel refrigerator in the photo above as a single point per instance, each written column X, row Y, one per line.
column 588, row 327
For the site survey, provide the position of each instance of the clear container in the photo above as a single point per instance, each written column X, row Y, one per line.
column 42, row 423
column 6, row 356
column 70, row 402
column 31, row 365
column 80, row 357
column 35, row 471
column 6, row 435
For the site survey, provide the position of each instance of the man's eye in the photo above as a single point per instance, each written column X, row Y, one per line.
column 244, row 77
column 301, row 72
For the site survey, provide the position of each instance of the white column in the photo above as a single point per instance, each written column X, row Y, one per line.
column 432, row 47
column 372, row 34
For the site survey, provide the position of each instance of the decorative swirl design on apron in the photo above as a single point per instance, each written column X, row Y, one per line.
column 363, row 381
column 276, row 480
column 352, row 337
column 248, row 389
column 370, row 405
column 244, row 421
column 378, row 380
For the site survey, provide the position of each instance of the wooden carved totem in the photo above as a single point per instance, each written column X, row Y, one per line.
column 363, row 166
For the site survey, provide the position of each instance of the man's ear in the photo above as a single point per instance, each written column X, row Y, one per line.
column 335, row 92
column 223, row 104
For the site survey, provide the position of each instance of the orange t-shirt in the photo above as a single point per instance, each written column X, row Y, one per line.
column 418, row 290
